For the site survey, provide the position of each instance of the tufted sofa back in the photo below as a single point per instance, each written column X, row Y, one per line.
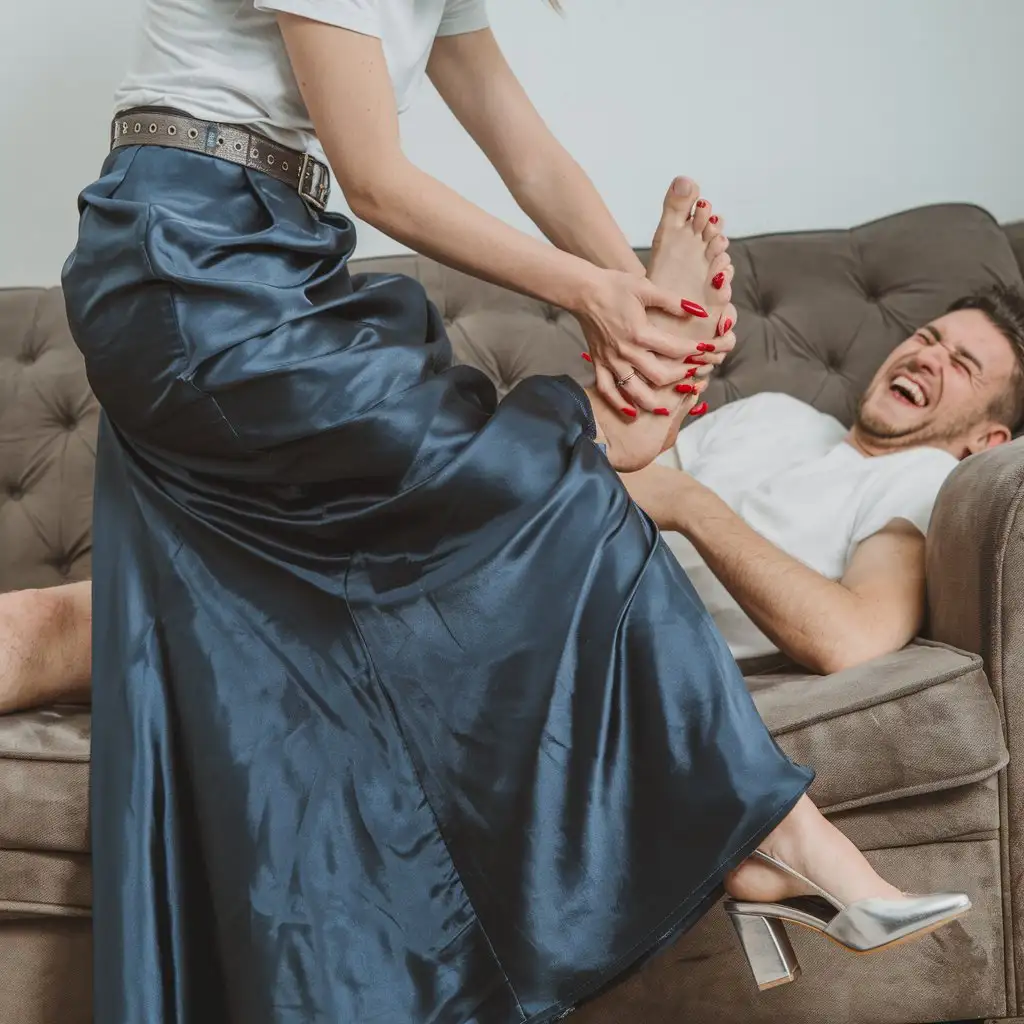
column 818, row 312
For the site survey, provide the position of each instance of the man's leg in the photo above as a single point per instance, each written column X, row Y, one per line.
column 689, row 256
column 45, row 646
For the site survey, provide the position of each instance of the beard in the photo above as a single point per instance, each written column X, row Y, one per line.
column 876, row 427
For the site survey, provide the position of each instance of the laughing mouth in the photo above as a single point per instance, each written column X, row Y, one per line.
column 908, row 390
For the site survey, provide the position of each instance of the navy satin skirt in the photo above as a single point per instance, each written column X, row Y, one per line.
column 403, row 713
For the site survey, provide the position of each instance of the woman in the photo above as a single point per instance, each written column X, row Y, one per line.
column 402, row 712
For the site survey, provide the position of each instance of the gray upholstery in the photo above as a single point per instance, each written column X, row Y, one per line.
column 911, row 750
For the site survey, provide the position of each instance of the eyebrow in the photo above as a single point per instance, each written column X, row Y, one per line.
column 959, row 350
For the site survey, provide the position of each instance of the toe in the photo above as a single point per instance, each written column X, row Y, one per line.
column 717, row 246
column 701, row 215
column 727, row 321
column 719, row 278
column 682, row 194
column 714, row 228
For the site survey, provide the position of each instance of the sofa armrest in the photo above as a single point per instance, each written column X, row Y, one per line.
column 975, row 578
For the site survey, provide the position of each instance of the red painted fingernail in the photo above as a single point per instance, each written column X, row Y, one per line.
column 662, row 412
column 685, row 389
column 713, row 219
column 586, row 355
column 693, row 309
column 691, row 373
column 629, row 412
column 718, row 280
column 702, row 203
column 699, row 410
column 705, row 346
column 695, row 361
column 725, row 327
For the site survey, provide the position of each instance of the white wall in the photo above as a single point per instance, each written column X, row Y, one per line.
column 791, row 113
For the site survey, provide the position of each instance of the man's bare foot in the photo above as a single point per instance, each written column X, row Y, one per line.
column 689, row 256
column 808, row 843
column 45, row 646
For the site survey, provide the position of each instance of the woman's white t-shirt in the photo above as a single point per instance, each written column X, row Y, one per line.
column 224, row 60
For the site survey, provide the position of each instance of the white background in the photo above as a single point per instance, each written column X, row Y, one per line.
column 791, row 113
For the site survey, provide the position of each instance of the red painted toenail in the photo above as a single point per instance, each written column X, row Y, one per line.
column 718, row 280
column 699, row 410
column 713, row 219
column 693, row 309
column 629, row 412
column 705, row 346
column 586, row 355
column 702, row 203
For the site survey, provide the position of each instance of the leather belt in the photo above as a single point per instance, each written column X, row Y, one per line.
column 158, row 126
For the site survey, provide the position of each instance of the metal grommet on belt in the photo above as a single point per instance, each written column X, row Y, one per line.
column 172, row 130
column 193, row 133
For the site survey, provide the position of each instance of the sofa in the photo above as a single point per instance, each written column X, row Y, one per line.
column 918, row 754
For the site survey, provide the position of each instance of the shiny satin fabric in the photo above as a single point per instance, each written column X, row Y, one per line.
column 403, row 713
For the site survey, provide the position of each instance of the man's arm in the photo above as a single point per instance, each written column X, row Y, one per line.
column 825, row 625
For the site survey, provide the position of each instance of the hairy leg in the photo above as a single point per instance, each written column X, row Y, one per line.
column 45, row 646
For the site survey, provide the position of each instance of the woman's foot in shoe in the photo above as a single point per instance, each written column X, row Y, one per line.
column 689, row 256
column 809, row 844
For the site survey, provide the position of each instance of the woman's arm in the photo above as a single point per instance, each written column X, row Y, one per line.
column 474, row 79
column 344, row 81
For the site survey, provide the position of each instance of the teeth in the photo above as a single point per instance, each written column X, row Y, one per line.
column 914, row 392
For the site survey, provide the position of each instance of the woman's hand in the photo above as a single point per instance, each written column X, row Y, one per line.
column 619, row 333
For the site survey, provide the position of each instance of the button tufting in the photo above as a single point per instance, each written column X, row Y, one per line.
column 15, row 492
column 27, row 358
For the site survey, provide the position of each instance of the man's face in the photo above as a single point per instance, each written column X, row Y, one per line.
column 938, row 386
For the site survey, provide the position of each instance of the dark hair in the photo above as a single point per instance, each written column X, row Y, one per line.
column 1004, row 306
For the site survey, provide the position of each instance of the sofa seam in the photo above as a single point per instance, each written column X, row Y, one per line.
column 921, row 789
column 908, row 690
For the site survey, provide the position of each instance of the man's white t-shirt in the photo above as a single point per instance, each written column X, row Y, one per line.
column 787, row 471
column 224, row 60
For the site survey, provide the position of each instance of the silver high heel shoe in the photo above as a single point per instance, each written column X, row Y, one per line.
column 862, row 927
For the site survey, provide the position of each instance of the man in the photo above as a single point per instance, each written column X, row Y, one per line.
column 807, row 539
column 799, row 536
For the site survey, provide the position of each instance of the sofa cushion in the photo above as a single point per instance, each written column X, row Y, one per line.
column 918, row 721
column 48, row 420
column 44, row 781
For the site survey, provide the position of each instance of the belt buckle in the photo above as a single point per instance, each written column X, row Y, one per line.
column 319, row 182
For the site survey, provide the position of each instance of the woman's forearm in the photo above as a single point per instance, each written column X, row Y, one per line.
column 559, row 197
column 419, row 211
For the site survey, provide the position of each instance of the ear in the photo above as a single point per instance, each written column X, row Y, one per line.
column 990, row 435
